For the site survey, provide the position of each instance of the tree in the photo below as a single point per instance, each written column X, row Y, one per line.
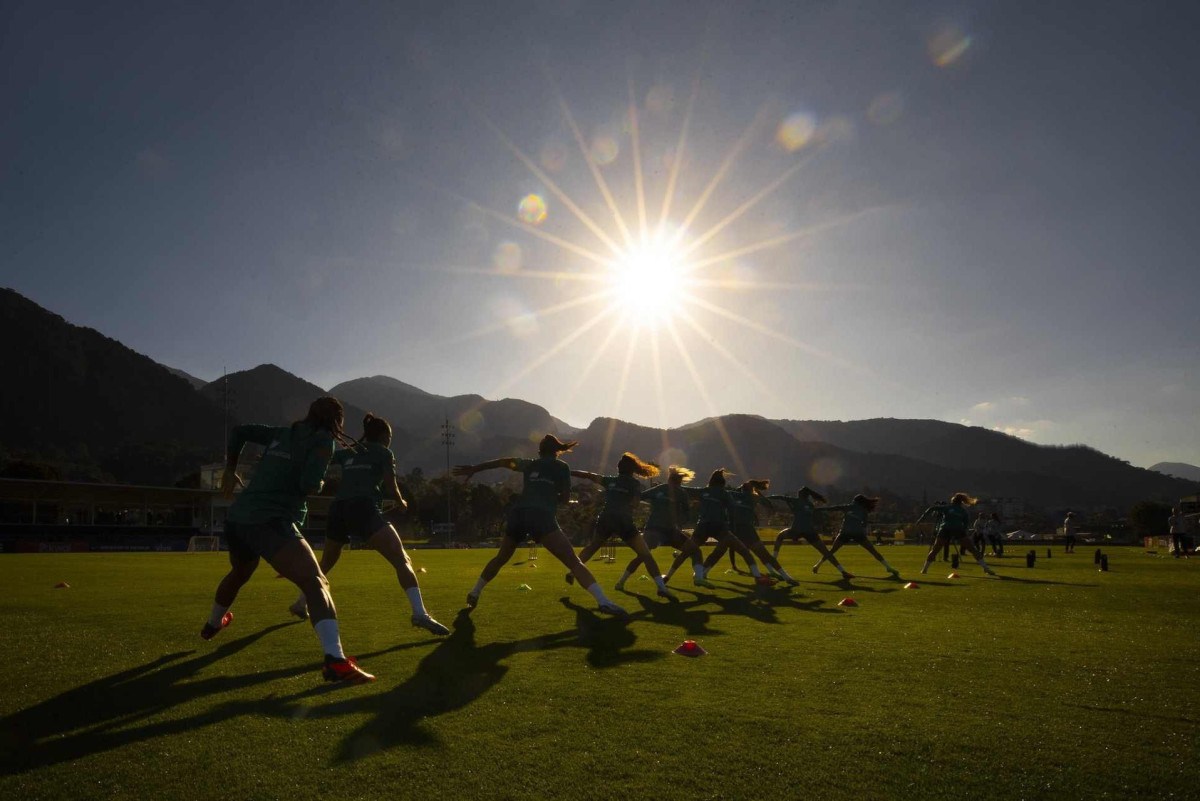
column 1150, row 519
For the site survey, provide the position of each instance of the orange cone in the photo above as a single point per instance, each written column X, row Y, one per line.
column 690, row 648
column 953, row 575
column 847, row 601
column 62, row 585
column 912, row 585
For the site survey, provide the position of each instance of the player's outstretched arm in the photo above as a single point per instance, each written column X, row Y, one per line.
column 468, row 470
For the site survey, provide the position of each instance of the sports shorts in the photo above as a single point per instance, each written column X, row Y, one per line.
column 657, row 537
column 353, row 517
column 528, row 523
column 614, row 525
column 249, row 541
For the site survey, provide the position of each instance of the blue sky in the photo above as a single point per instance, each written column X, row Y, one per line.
column 980, row 211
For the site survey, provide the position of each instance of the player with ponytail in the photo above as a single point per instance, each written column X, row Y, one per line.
column 263, row 523
column 855, row 530
column 368, row 476
column 622, row 494
column 546, row 483
column 953, row 527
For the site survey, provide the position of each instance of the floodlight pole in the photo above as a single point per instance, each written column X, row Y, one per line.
column 447, row 440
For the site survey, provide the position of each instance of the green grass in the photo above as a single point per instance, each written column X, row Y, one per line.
column 1056, row 682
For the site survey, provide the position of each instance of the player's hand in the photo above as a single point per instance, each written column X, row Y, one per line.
column 464, row 470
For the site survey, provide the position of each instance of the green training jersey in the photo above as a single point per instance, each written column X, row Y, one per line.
column 292, row 466
column 545, row 479
column 669, row 506
column 741, row 509
column 955, row 520
column 622, row 494
column 803, row 512
column 714, row 504
column 364, row 470
column 854, row 517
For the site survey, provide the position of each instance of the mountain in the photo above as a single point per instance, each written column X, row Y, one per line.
column 74, row 396
column 481, row 426
column 197, row 383
column 1188, row 472
column 271, row 395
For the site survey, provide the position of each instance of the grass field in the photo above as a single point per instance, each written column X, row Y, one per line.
column 1055, row 682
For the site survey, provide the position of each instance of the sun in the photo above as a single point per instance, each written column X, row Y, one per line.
column 650, row 278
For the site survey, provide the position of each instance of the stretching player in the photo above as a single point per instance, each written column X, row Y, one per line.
column 546, row 483
column 803, row 524
column 953, row 526
column 263, row 523
column 743, row 522
column 622, row 493
column 669, row 510
column 855, row 530
column 368, row 470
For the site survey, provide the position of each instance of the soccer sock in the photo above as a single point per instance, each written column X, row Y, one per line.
column 218, row 612
column 418, row 605
column 925, row 567
column 754, row 571
column 662, row 585
column 598, row 593
column 628, row 574
column 479, row 585
column 331, row 641
column 698, row 569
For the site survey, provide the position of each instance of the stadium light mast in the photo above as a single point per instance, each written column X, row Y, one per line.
column 447, row 440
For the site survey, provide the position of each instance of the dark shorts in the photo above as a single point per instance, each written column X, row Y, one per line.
column 858, row 537
column 249, row 541
column 747, row 533
column 795, row 535
column 612, row 525
column 353, row 517
column 530, row 524
column 657, row 537
column 952, row 536
column 704, row 530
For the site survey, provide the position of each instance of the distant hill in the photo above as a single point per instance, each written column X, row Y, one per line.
column 197, row 383
column 95, row 409
column 480, row 425
column 74, row 396
column 1188, row 472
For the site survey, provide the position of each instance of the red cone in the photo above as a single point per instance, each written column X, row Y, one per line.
column 953, row 575
column 847, row 601
column 912, row 585
column 62, row 585
column 690, row 648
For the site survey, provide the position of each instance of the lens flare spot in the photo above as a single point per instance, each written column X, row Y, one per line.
column 507, row 257
column 516, row 317
column 886, row 108
column 532, row 209
column 672, row 456
column 604, row 149
column 796, row 131
column 825, row 471
column 470, row 421
column 947, row 46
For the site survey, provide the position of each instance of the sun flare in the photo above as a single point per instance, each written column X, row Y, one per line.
column 650, row 278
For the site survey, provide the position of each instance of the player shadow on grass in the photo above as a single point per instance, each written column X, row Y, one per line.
column 452, row 676
column 96, row 717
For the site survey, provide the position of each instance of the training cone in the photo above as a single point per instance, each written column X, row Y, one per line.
column 953, row 575
column 531, row 564
column 643, row 577
column 690, row 648
column 524, row 587
column 847, row 602
column 912, row 585
column 62, row 585
column 423, row 570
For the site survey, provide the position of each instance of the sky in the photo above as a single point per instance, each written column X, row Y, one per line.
column 979, row 212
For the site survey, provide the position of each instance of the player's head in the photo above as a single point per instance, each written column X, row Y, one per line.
column 867, row 503
column 756, row 486
column 376, row 429
column 717, row 479
column 809, row 492
column 630, row 464
column 680, row 475
column 327, row 414
column 963, row 499
column 553, row 446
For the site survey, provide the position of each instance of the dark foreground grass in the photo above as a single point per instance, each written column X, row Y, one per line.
column 1056, row 682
